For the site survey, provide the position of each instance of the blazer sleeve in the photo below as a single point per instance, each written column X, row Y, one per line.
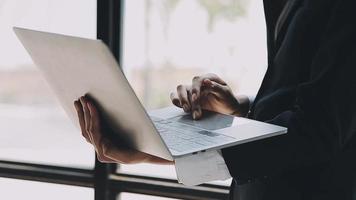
column 323, row 123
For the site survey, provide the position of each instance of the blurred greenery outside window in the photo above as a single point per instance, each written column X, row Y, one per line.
column 167, row 42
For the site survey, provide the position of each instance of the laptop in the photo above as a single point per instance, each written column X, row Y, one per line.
column 76, row 66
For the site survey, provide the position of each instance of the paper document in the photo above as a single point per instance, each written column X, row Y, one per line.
column 201, row 168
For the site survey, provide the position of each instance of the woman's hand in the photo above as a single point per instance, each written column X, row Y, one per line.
column 209, row 92
column 91, row 127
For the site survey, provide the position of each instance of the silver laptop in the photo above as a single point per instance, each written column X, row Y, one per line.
column 76, row 66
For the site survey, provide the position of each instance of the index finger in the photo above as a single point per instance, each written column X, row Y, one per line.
column 198, row 82
column 195, row 96
column 215, row 78
column 78, row 107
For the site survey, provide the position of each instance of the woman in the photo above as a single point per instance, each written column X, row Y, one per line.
column 309, row 87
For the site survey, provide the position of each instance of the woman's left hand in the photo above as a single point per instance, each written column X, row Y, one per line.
column 91, row 127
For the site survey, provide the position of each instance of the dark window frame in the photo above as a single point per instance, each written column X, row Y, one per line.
column 104, row 179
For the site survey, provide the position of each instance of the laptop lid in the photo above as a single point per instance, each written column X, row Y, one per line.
column 76, row 66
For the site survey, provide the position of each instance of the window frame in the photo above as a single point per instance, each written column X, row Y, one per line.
column 104, row 179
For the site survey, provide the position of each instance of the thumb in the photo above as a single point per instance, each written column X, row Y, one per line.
column 216, row 87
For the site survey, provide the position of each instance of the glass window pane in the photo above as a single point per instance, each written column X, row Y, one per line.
column 131, row 196
column 167, row 42
column 41, row 191
column 34, row 128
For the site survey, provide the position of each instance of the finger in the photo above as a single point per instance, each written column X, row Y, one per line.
column 215, row 78
column 94, row 130
column 102, row 157
column 105, row 159
column 175, row 99
column 86, row 112
column 78, row 107
column 219, row 91
column 94, row 118
column 195, row 98
column 199, row 81
column 113, row 153
column 196, row 111
column 207, row 82
column 216, row 87
column 183, row 97
column 196, row 86
column 83, row 101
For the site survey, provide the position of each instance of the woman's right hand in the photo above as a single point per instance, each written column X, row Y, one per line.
column 209, row 92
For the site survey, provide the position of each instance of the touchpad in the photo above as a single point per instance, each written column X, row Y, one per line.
column 209, row 121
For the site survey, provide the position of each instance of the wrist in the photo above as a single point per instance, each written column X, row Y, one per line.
column 243, row 105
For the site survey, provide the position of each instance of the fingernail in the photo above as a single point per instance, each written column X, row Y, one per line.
column 89, row 106
column 194, row 97
column 195, row 114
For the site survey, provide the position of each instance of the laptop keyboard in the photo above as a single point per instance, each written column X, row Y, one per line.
column 181, row 137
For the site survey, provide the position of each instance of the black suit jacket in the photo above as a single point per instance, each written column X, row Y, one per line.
column 309, row 87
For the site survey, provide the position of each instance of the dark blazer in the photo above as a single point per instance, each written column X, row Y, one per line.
column 309, row 87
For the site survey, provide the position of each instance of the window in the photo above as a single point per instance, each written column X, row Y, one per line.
column 167, row 42
column 34, row 128
column 41, row 191
column 160, row 43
